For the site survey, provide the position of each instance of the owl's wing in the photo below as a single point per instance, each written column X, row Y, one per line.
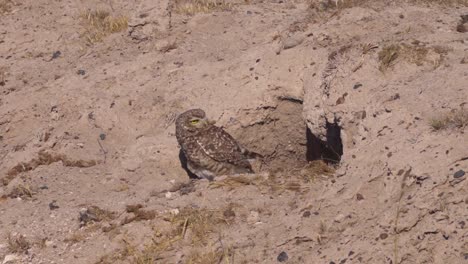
column 222, row 147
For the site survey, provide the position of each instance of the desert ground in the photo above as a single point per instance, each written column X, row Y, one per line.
column 358, row 107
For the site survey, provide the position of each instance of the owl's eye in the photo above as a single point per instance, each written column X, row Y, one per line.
column 194, row 122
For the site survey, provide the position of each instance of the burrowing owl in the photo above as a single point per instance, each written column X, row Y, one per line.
column 210, row 151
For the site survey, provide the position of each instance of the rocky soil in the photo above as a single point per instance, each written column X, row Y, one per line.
column 358, row 107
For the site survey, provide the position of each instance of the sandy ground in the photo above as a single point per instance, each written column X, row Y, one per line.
column 89, row 162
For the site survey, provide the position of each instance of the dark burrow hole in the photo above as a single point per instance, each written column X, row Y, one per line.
column 282, row 137
column 330, row 150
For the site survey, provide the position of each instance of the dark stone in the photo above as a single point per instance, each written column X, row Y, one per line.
column 383, row 236
column 306, row 214
column 102, row 136
column 56, row 54
column 357, row 85
column 53, row 205
column 81, row 72
column 459, row 174
column 359, row 197
column 282, row 257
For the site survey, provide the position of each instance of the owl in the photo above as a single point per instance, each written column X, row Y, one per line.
column 209, row 150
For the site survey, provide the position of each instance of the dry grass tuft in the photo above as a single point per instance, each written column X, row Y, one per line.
column 387, row 56
column 297, row 182
column 454, row 119
column 18, row 244
column 22, row 191
column 211, row 257
column 99, row 23
column 94, row 214
column 191, row 7
column 5, row 6
column 415, row 54
column 138, row 214
column 192, row 226
column 200, row 222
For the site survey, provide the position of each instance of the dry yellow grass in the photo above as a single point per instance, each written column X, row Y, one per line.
column 297, row 181
column 99, row 23
column 211, row 257
column 191, row 7
column 415, row 54
column 455, row 119
column 22, row 191
column 190, row 226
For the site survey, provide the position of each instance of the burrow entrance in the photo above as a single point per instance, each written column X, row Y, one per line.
column 284, row 139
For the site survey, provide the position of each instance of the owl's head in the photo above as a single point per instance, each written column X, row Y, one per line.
column 192, row 120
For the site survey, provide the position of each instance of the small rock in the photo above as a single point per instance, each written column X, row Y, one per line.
column 383, row 236
column 253, row 217
column 56, row 54
column 48, row 243
column 53, row 205
column 292, row 42
column 339, row 218
column 43, row 187
column 306, row 214
column 102, row 136
column 459, row 174
column 282, row 257
column 357, row 85
column 174, row 211
column 81, row 145
column 81, row 72
column 10, row 259
column 168, row 195
column 359, row 197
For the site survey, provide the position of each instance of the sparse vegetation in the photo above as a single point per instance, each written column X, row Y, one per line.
column 18, row 244
column 455, row 119
column 191, row 7
column 211, row 257
column 22, row 191
column 192, row 226
column 5, row 6
column 387, row 56
column 415, row 54
column 99, row 23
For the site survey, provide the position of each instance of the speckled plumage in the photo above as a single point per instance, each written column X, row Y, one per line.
column 210, row 151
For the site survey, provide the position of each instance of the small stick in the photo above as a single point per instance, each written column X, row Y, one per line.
column 185, row 228
column 103, row 150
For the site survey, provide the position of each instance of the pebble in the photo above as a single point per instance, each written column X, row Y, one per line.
column 357, row 85
column 56, row 54
column 102, row 136
column 53, row 205
column 459, row 174
column 282, row 257
column 306, row 214
column 10, row 259
column 81, row 72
